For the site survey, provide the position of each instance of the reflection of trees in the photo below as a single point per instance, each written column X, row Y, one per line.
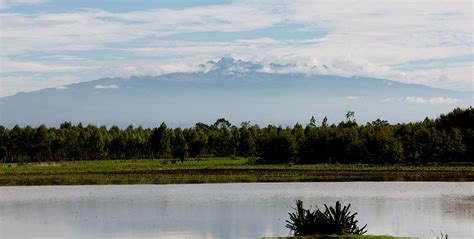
column 460, row 209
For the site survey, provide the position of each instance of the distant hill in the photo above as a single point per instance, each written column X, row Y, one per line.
column 233, row 89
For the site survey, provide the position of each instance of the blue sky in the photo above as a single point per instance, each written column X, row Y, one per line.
column 47, row 43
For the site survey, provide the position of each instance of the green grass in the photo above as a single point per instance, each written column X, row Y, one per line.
column 218, row 170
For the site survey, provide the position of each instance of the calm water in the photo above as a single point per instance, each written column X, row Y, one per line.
column 228, row 210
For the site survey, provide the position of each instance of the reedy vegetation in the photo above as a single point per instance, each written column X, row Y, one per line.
column 219, row 170
column 449, row 138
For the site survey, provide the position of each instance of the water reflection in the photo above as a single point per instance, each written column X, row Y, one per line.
column 228, row 210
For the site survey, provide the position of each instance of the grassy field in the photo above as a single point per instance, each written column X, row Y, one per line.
column 218, row 170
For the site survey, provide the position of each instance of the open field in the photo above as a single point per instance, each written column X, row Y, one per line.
column 218, row 170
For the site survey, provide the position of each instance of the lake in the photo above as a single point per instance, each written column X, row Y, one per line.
column 241, row 210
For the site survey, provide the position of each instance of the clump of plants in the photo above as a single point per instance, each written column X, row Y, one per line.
column 334, row 220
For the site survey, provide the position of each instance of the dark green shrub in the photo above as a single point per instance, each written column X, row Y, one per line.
column 335, row 220
column 340, row 221
column 278, row 149
column 3, row 153
column 303, row 221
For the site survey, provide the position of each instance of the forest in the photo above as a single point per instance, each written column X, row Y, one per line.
column 448, row 138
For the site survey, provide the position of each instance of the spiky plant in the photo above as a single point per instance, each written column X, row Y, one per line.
column 340, row 221
column 335, row 220
column 302, row 222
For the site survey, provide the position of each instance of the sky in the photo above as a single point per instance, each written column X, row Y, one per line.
column 49, row 43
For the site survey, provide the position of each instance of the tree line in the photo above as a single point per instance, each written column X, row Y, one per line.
column 448, row 138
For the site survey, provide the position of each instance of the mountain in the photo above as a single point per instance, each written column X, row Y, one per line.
column 234, row 89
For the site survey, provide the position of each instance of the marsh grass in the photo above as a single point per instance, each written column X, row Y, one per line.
column 218, row 170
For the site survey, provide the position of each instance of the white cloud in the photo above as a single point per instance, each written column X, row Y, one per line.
column 202, row 19
column 91, row 29
column 351, row 98
column 10, row 3
column 64, row 58
column 145, row 68
column 434, row 101
column 386, row 100
column 113, row 86
column 264, row 40
column 243, row 48
column 364, row 38
column 171, row 68
column 10, row 85
column 8, row 66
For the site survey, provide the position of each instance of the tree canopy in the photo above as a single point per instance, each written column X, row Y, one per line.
column 449, row 138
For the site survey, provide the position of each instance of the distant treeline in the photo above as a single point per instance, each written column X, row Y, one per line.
column 449, row 138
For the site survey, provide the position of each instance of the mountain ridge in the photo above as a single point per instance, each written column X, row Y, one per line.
column 230, row 66
column 234, row 89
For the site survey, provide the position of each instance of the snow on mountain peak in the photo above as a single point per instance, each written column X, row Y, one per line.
column 230, row 66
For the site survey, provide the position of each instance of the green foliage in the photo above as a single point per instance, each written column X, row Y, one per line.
column 180, row 148
column 334, row 220
column 197, row 142
column 248, row 146
column 312, row 122
column 277, row 146
column 325, row 122
column 3, row 153
column 160, row 142
column 304, row 222
column 447, row 139
column 340, row 221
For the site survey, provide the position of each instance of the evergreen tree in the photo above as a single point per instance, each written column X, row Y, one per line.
column 160, row 142
column 179, row 146
column 449, row 138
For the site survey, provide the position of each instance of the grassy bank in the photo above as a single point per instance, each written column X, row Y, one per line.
column 218, row 170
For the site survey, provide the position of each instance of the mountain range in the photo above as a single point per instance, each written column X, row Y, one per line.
column 233, row 89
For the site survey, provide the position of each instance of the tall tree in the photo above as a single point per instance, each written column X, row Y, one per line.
column 160, row 142
column 180, row 148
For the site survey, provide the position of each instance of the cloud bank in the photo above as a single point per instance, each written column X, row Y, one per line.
column 433, row 101
column 390, row 39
